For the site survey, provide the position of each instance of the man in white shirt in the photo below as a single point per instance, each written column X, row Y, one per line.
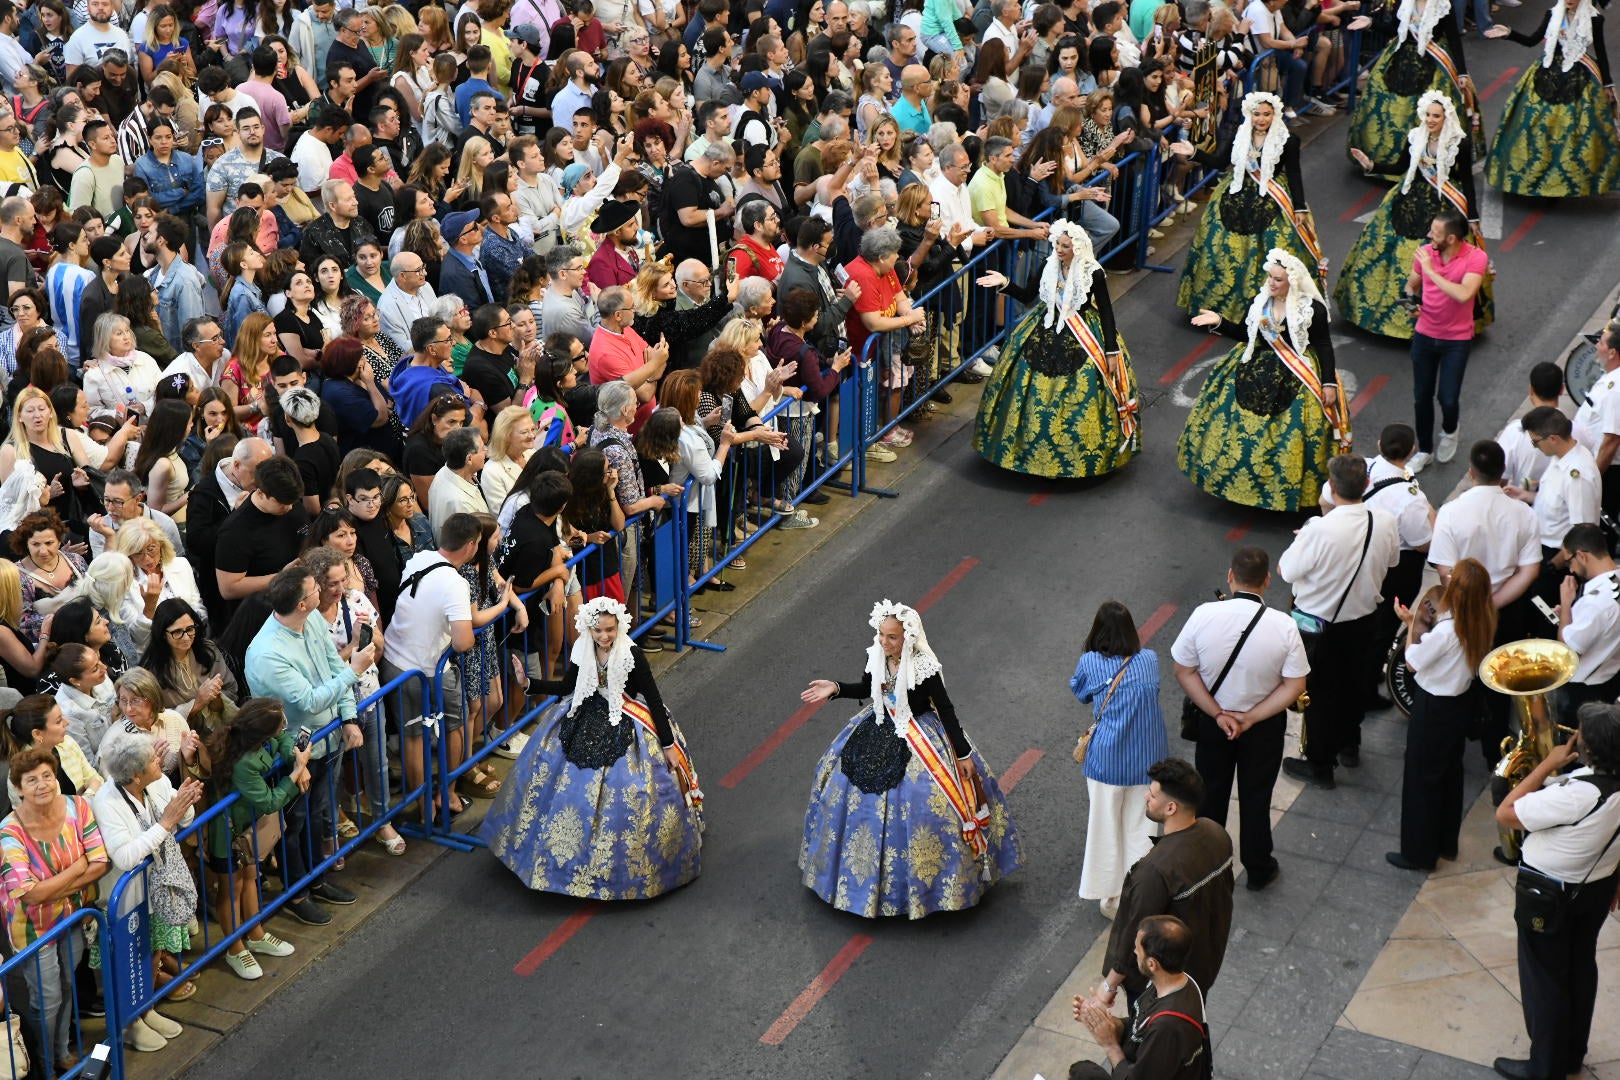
column 1589, row 619
column 1570, row 493
column 1337, row 565
column 1597, row 422
column 312, row 153
column 95, row 37
column 1525, row 464
column 125, row 499
column 455, row 487
column 13, row 57
column 1268, row 30
column 950, row 190
column 204, row 343
column 1244, row 722
column 1004, row 28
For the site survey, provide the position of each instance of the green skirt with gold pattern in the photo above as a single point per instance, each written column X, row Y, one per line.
column 1387, row 109
column 1046, row 411
column 1557, row 137
column 1255, row 436
column 1374, row 275
column 1226, row 263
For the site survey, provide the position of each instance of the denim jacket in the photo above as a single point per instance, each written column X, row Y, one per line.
column 176, row 187
column 179, row 297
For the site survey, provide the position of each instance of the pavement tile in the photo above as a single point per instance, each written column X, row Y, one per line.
column 1441, row 1067
column 1418, row 923
column 1416, row 961
column 1346, row 803
column 1385, row 896
column 1227, row 1003
column 1045, row 1053
column 1354, row 1055
column 1367, row 854
column 1343, row 931
column 1606, row 1071
column 1387, row 818
column 1248, row 1055
column 1477, row 841
column 1304, row 995
column 1282, row 906
column 1300, row 834
column 1249, row 957
column 1378, row 771
column 1469, row 1016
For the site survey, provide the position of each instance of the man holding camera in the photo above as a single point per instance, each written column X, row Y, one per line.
column 294, row 660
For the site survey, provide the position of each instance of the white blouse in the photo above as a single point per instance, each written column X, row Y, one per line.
column 1439, row 663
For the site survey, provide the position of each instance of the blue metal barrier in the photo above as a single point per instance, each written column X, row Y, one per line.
column 24, row 978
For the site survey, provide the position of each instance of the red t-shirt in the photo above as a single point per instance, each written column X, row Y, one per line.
column 1441, row 317
column 613, row 356
column 879, row 295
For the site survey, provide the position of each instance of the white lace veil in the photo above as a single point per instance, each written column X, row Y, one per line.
column 917, row 661
column 1451, row 137
column 620, row 659
column 1066, row 293
column 1271, row 149
column 1302, row 294
column 1576, row 35
column 1426, row 20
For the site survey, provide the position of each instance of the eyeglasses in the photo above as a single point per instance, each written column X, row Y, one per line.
column 414, row 270
column 366, row 500
column 580, row 269
column 504, row 325
column 180, row 633
column 441, row 341
column 115, row 504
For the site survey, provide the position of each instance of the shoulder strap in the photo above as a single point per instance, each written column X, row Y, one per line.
column 416, row 579
column 1366, row 542
column 1242, row 640
column 1178, row 1015
column 1118, row 676
column 1386, row 482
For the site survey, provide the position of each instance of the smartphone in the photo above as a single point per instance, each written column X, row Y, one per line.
column 365, row 635
column 1158, row 33
column 1542, row 606
column 934, row 211
column 302, row 742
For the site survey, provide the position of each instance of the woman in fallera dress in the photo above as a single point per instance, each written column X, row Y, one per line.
column 1426, row 54
column 1269, row 416
column 1063, row 401
column 1437, row 166
column 1260, row 207
column 603, row 803
column 904, row 816
column 1557, row 137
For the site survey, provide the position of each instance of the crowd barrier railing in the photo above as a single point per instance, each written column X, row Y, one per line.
column 231, row 903
column 28, row 976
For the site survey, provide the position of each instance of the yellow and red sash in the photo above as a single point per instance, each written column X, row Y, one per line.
column 1591, row 65
column 1476, row 128
column 1454, row 195
column 968, row 804
column 1113, row 376
column 685, row 774
column 1338, row 414
column 1302, row 229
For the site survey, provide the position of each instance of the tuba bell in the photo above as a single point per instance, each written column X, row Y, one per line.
column 1527, row 671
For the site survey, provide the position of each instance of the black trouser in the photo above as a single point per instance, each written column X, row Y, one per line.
column 1401, row 583
column 1558, row 981
column 1335, row 685
column 1255, row 757
column 1432, row 782
column 299, row 825
column 1611, row 493
column 1548, row 582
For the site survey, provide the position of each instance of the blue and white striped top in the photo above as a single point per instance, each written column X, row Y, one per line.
column 64, row 289
column 1130, row 734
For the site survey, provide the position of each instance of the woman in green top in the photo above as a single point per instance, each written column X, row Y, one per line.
column 244, row 756
column 369, row 275
column 138, row 303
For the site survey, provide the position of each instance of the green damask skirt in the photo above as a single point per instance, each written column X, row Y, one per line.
column 1374, row 276
column 1255, row 436
column 1226, row 263
column 1386, row 111
column 1046, row 411
column 1557, row 137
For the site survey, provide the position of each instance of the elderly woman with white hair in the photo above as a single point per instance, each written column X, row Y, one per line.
column 118, row 375
column 511, row 443
column 1269, row 415
column 139, row 811
column 159, row 573
column 1063, row 401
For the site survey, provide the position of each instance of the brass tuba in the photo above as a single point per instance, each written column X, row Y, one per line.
column 1527, row 671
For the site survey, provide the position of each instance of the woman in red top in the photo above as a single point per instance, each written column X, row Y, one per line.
column 882, row 308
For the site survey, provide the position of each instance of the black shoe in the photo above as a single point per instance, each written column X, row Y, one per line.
column 1258, row 881
column 817, row 498
column 651, row 644
column 328, row 893
column 969, row 378
column 1399, row 861
column 307, row 912
column 719, row 585
column 1513, row 1068
column 95, row 1009
column 1502, row 857
column 941, row 396
column 1302, row 770
column 1350, row 757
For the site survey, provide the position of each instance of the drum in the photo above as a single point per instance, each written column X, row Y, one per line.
column 1397, row 676
column 1582, row 369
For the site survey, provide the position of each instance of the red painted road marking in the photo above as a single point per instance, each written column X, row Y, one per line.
column 1523, row 230
column 1020, row 769
column 818, row 988
column 1360, row 205
column 1187, row 361
column 1236, row 533
column 1155, row 622
column 946, row 584
column 1039, row 498
column 769, row 746
column 1368, row 392
column 557, row 938
column 1500, row 81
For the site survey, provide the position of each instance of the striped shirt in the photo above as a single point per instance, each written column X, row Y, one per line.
column 28, row 862
column 64, row 289
column 1130, row 731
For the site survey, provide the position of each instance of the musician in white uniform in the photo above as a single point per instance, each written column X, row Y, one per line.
column 1589, row 619
column 1570, row 493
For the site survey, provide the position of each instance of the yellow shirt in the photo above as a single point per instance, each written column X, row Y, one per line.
column 15, row 169
column 500, row 68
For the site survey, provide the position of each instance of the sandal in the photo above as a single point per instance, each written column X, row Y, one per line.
column 188, row 989
column 739, row 563
column 478, row 784
column 347, row 829
column 395, row 844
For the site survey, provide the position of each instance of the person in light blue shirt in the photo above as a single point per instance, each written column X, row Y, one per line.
column 294, row 660
column 910, row 110
column 178, row 284
column 174, row 179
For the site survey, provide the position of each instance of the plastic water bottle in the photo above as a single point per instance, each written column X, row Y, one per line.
column 130, row 402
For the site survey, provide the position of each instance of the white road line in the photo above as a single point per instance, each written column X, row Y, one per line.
column 1490, row 212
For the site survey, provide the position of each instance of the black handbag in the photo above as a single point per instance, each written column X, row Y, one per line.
column 1191, row 713
column 1541, row 904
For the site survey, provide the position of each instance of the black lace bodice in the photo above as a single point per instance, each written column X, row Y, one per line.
column 589, row 741
column 874, row 757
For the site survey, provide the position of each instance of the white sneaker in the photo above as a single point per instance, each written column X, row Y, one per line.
column 145, row 1038
column 878, row 452
column 798, row 520
column 1446, row 448
column 244, row 964
column 981, row 368
column 512, row 746
column 1418, row 462
column 1109, row 907
column 162, row 1025
column 270, row 945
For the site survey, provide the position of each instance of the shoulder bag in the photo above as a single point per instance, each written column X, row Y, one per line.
column 1541, row 904
column 1312, row 627
column 1190, row 712
column 1084, row 744
column 170, row 889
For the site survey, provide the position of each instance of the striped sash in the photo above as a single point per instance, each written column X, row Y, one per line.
column 1476, row 128
column 1113, row 376
column 685, row 774
column 1338, row 415
column 1591, row 65
column 967, row 802
column 1453, row 195
column 1302, row 229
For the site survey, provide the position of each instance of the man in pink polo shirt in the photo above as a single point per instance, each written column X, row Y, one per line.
column 1446, row 275
column 618, row 352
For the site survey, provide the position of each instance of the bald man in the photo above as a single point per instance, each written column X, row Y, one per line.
column 1065, row 91
column 911, row 111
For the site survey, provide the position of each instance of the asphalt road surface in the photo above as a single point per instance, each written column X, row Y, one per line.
column 721, row 979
